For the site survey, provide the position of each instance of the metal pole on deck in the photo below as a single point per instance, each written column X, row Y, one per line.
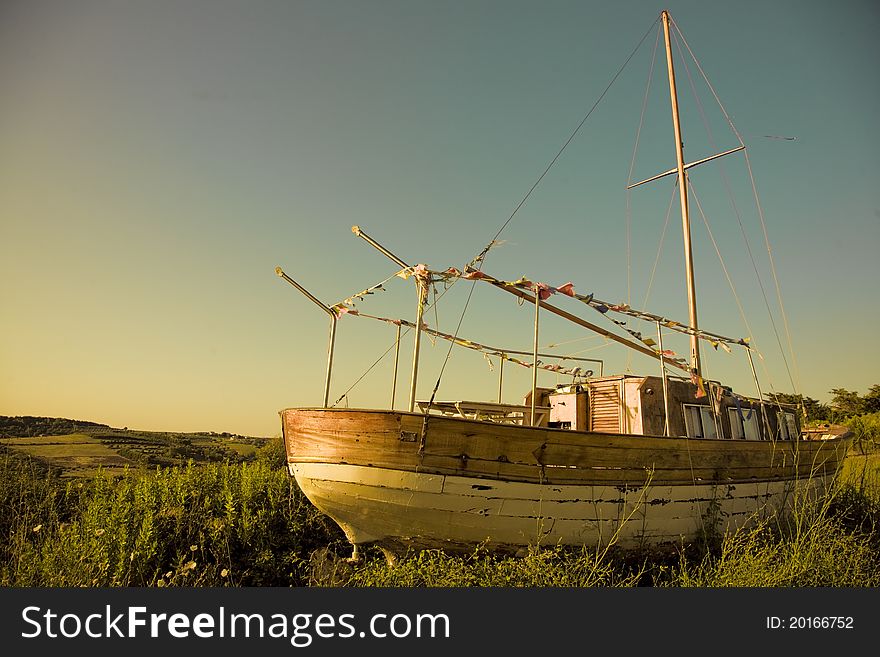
column 423, row 295
column 535, row 356
column 665, row 380
column 396, row 359
column 760, row 394
column 330, row 349
column 500, row 376
column 333, row 318
column 369, row 240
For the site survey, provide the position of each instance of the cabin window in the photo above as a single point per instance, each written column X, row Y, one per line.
column 744, row 423
column 699, row 421
column 788, row 428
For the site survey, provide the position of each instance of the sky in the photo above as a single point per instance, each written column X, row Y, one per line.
column 160, row 158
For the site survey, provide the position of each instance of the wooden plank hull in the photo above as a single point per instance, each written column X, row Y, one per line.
column 403, row 479
column 397, row 509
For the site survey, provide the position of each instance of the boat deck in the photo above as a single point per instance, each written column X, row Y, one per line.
column 485, row 411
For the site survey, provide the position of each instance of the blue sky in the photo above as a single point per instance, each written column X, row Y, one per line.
column 160, row 159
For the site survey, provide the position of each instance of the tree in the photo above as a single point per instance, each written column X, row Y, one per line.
column 814, row 410
column 847, row 402
column 872, row 399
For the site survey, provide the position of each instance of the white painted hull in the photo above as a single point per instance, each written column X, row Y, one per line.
column 397, row 509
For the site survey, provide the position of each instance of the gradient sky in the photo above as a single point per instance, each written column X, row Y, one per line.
column 160, row 158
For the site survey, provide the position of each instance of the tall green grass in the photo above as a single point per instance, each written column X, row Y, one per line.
column 545, row 567
column 209, row 525
column 249, row 525
column 829, row 543
column 866, row 432
column 833, row 541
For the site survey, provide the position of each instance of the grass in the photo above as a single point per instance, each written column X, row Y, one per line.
column 198, row 525
column 247, row 524
column 831, row 543
column 546, row 567
column 861, row 471
column 866, row 432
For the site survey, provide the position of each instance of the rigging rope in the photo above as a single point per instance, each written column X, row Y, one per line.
column 368, row 370
column 632, row 165
column 795, row 384
column 546, row 291
column 571, row 137
column 733, row 290
column 745, row 239
column 629, row 178
column 553, row 345
column 493, row 351
column 342, row 308
column 479, row 258
column 660, row 244
column 736, row 298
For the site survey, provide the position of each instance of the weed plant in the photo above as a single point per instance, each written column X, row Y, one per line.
column 546, row 567
column 209, row 525
column 830, row 544
column 247, row 524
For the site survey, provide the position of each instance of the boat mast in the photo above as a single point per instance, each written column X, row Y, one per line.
column 333, row 319
column 535, row 357
column 683, row 196
column 422, row 287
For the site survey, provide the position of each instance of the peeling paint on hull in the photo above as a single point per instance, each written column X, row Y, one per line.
column 465, row 483
column 396, row 509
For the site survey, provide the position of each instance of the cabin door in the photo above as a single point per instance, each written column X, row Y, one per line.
column 606, row 406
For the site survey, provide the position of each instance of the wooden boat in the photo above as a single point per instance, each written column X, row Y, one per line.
column 611, row 459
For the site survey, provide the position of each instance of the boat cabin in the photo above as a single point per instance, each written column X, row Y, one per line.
column 630, row 404
column 635, row 405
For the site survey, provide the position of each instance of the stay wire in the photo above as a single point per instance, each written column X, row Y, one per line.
column 632, row 164
column 437, row 298
column 796, row 381
column 479, row 259
column 660, row 243
column 571, row 137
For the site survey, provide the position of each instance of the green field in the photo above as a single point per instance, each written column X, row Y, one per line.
column 80, row 449
column 77, row 455
column 242, row 448
column 71, row 439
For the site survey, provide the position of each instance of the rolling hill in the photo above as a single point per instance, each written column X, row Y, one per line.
column 79, row 448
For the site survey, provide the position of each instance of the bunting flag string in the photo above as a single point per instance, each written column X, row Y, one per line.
column 347, row 304
column 546, row 291
column 697, row 380
column 486, row 350
column 419, row 271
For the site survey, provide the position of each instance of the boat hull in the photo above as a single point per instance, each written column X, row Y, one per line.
column 403, row 480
